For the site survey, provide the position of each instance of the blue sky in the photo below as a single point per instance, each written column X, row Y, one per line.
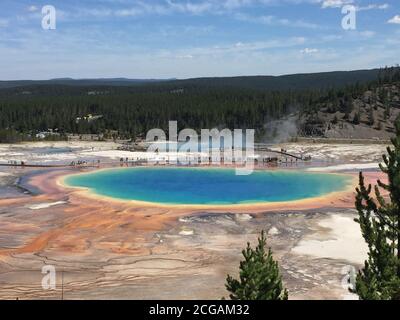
column 196, row 38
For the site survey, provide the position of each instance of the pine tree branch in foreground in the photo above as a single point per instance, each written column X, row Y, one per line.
column 259, row 277
column 379, row 220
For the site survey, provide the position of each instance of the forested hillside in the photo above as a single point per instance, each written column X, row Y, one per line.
column 358, row 112
column 203, row 103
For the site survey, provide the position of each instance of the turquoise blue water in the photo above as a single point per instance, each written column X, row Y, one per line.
column 192, row 186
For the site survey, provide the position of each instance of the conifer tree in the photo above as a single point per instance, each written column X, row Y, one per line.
column 379, row 219
column 356, row 119
column 259, row 278
column 371, row 118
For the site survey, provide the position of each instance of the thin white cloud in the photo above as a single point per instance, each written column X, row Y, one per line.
column 230, row 49
column 186, row 56
column 234, row 4
column 271, row 20
column 309, row 50
column 340, row 3
column 332, row 37
column 189, row 7
column 168, row 7
column 335, row 3
column 132, row 12
column 367, row 33
column 135, row 8
column 395, row 20
column 33, row 8
column 374, row 6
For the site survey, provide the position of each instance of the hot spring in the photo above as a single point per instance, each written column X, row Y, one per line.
column 207, row 186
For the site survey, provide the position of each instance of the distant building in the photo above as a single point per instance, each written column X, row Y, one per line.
column 45, row 134
column 89, row 118
column 97, row 93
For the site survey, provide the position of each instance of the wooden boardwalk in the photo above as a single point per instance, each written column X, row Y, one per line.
column 264, row 148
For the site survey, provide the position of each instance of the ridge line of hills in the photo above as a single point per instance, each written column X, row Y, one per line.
column 298, row 81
